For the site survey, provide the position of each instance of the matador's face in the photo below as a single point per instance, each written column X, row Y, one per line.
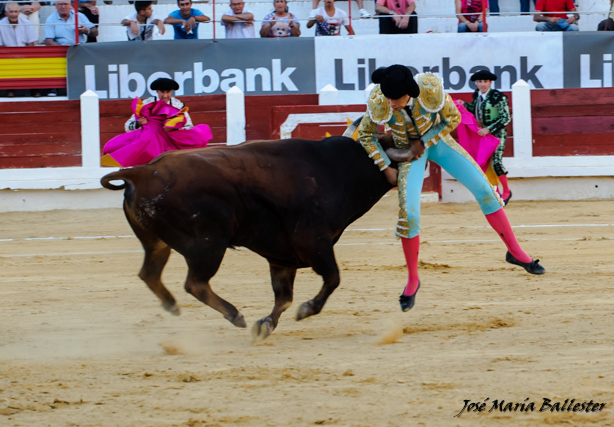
column 399, row 104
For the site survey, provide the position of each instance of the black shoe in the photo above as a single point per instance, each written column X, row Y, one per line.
column 506, row 201
column 408, row 301
column 532, row 267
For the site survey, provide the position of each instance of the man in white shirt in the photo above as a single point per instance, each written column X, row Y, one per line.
column 15, row 30
column 141, row 23
column 60, row 26
column 239, row 24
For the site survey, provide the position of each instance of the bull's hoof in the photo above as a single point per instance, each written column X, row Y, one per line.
column 305, row 310
column 172, row 309
column 238, row 321
column 262, row 329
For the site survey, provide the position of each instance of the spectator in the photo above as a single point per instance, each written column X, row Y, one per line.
column 89, row 9
column 493, row 5
column 329, row 19
column 140, row 24
column 550, row 20
column 400, row 22
column 280, row 22
column 158, row 124
column 185, row 20
column 363, row 12
column 239, row 24
column 491, row 109
column 525, row 6
column 60, row 26
column 29, row 10
column 15, row 30
column 469, row 15
column 607, row 24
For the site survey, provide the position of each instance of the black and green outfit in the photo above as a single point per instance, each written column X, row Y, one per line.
column 493, row 113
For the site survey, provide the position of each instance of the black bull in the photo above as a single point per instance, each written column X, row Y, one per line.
column 289, row 201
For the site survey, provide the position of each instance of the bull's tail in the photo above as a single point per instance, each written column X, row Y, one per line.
column 120, row 175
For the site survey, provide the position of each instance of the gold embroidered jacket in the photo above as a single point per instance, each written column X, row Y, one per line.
column 433, row 111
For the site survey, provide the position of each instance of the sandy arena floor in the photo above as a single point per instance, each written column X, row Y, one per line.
column 85, row 343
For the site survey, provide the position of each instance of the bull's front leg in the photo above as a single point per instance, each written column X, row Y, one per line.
column 326, row 266
column 282, row 279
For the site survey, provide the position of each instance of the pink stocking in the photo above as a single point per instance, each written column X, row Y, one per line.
column 506, row 189
column 411, row 247
column 499, row 222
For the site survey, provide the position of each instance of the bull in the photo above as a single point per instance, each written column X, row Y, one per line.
column 288, row 201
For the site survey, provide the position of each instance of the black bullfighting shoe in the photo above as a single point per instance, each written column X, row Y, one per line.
column 408, row 301
column 506, row 201
column 532, row 267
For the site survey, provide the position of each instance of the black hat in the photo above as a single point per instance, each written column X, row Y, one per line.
column 164, row 84
column 396, row 81
column 483, row 75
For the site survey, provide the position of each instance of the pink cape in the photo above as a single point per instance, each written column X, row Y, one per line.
column 144, row 144
column 479, row 147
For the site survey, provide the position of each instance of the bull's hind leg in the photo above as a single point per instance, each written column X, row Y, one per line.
column 282, row 279
column 201, row 269
column 326, row 266
column 156, row 256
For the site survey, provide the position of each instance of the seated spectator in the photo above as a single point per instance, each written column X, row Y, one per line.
column 550, row 20
column 60, row 26
column 141, row 23
column 397, row 23
column 185, row 20
column 29, row 10
column 158, row 124
column 607, row 24
column 280, row 22
column 329, row 19
column 89, row 9
column 15, row 30
column 239, row 24
column 364, row 13
column 469, row 14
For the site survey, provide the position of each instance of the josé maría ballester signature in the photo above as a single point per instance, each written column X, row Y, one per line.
column 569, row 405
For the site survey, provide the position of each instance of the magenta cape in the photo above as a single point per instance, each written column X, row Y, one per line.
column 478, row 147
column 142, row 145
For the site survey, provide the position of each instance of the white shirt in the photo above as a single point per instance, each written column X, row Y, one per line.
column 239, row 30
column 16, row 35
column 63, row 32
column 145, row 31
column 339, row 18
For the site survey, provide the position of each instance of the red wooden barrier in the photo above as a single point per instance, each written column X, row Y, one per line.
column 572, row 122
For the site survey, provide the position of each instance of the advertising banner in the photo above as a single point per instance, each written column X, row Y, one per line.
column 537, row 58
column 587, row 59
column 118, row 70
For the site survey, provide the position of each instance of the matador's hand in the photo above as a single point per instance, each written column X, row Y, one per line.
column 391, row 175
column 417, row 150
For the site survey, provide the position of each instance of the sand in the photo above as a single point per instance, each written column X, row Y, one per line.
column 85, row 343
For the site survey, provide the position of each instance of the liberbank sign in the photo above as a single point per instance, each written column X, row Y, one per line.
column 305, row 65
column 118, row 70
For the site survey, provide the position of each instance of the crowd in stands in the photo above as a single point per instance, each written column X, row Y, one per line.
column 19, row 21
column 394, row 16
